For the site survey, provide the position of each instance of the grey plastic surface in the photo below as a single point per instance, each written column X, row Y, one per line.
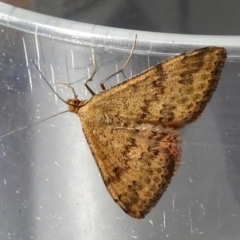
column 50, row 187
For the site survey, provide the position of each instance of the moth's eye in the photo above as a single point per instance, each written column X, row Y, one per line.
column 75, row 102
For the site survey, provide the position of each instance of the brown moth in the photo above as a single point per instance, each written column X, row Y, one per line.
column 132, row 128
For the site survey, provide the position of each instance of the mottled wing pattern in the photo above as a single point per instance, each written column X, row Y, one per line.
column 136, row 165
column 129, row 127
column 172, row 93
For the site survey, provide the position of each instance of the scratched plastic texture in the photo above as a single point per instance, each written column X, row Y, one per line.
column 50, row 187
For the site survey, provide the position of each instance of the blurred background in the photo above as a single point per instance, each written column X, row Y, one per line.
column 219, row 17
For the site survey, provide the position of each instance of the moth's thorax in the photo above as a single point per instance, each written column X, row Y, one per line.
column 75, row 104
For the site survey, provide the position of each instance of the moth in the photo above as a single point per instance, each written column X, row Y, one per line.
column 132, row 128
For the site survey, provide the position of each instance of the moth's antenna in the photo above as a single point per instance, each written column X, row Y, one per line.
column 42, row 120
column 49, row 83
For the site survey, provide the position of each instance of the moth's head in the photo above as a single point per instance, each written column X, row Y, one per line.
column 74, row 104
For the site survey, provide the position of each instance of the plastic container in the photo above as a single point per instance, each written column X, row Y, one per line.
column 50, row 187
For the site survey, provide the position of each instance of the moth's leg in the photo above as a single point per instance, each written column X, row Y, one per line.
column 123, row 68
column 89, row 79
column 67, row 85
column 92, row 75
